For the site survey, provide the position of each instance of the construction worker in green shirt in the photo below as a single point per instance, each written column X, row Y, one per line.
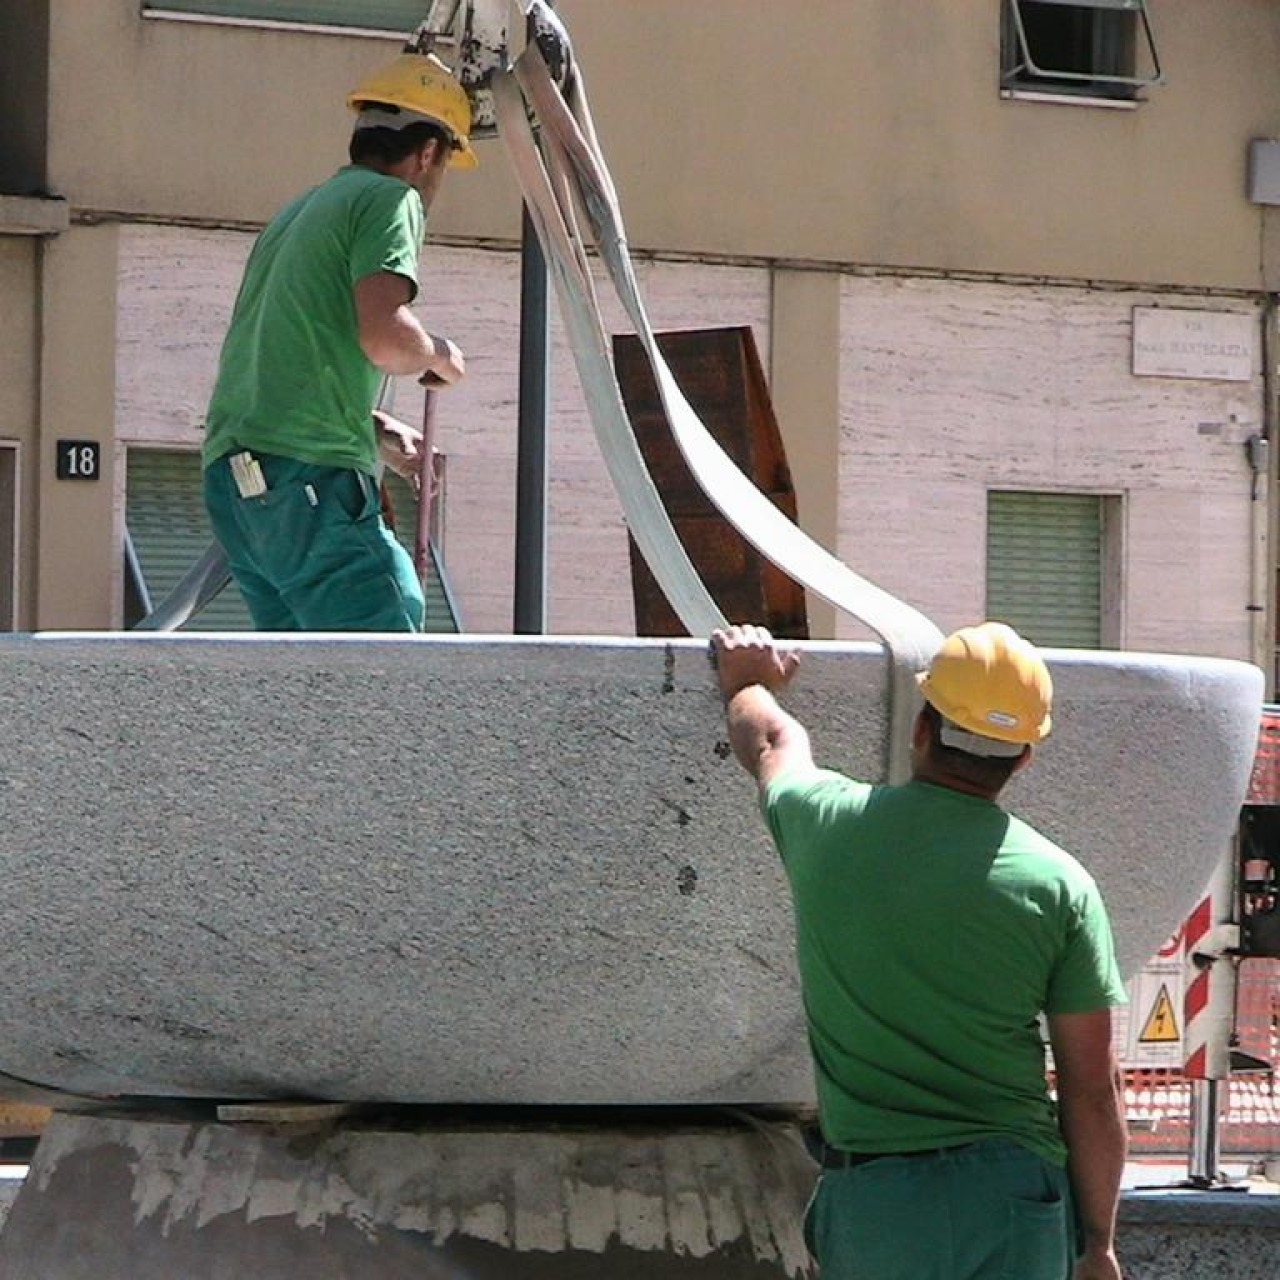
column 292, row 446
column 933, row 931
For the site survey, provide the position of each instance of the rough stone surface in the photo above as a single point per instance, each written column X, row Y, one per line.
column 9, row 1188
column 136, row 1198
column 488, row 870
column 116, row 1199
column 1230, row 1233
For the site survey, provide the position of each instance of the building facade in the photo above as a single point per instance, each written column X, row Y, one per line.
column 1012, row 267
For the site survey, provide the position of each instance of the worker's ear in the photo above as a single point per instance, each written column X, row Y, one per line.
column 1024, row 759
column 435, row 154
column 920, row 733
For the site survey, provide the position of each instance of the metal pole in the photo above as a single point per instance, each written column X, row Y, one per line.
column 1206, row 1134
column 531, row 439
column 1266, row 542
column 426, row 490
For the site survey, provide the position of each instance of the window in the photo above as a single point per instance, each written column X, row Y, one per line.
column 400, row 17
column 1077, row 48
column 8, row 537
column 1052, row 567
column 169, row 531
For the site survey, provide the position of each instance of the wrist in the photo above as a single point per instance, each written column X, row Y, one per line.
column 753, row 688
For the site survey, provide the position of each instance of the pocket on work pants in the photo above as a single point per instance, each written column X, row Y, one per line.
column 874, row 1222
column 285, row 527
column 1037, row 1246
column 357, row 576
column 355, row 494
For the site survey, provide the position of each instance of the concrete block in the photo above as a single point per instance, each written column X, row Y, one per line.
column 151, row 1197
column 1227, row 1234
column 137, row 1199
column 488, row 870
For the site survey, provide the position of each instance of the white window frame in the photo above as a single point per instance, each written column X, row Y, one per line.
column 159, row 12
column 1026, row 80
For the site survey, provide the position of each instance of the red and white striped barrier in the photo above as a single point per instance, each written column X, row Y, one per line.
column 1209, row 992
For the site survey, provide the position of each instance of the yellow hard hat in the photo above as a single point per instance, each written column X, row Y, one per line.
column 422, row 85
column 988, row 681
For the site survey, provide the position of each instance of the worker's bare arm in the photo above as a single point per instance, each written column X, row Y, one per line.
column 1091, row 1113
column 765, row 739
column 392, row 338
column 752, row 669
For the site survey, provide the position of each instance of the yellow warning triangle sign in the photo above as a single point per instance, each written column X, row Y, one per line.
column 1162, row 1023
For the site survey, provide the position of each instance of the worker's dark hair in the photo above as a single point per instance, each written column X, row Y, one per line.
column 988, row 772
column 390, row 146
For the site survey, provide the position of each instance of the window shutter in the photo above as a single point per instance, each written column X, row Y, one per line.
column 166, row 517
column 368, row 15
column 164, row 509
column 1044, row 566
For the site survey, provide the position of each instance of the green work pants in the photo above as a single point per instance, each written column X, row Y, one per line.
column 313, row 553
column 987, row 1211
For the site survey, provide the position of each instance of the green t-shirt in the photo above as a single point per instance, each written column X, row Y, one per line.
column 292, row 379
column 933, row 928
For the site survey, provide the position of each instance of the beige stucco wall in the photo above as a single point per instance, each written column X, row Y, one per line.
column 925, row 393
column 57, row 330
column 804, row 383
column 869, row 131
column 191, row 120
column 856, row 131
column 792, row 142
column 177, row 287
column 78, row 526
column 949, row 389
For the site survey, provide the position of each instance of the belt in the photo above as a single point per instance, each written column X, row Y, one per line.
column 835, row 1158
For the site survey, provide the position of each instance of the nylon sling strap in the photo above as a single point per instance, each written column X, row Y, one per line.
column 554, row 219
column 561, row 170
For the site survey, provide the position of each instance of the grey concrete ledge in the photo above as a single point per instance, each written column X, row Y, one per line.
column 34, row 215
column 1225, row 1208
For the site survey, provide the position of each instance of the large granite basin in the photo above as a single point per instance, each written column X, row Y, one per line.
column 488, row 870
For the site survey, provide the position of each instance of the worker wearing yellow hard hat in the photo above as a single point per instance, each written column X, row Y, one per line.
column 992, row 689
column 293, row 446
column 423, row 88
column 933, row 931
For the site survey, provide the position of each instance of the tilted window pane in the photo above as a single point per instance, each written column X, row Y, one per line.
column 369, row 15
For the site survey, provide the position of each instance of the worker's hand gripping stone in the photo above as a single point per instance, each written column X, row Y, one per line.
column 747, row 655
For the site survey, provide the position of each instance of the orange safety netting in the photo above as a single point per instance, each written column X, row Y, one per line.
column 1158, row 1100
column 1264, row 782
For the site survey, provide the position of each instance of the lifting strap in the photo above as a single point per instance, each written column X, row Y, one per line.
column 562, row 170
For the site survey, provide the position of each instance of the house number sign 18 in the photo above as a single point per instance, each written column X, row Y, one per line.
column 79, row 459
